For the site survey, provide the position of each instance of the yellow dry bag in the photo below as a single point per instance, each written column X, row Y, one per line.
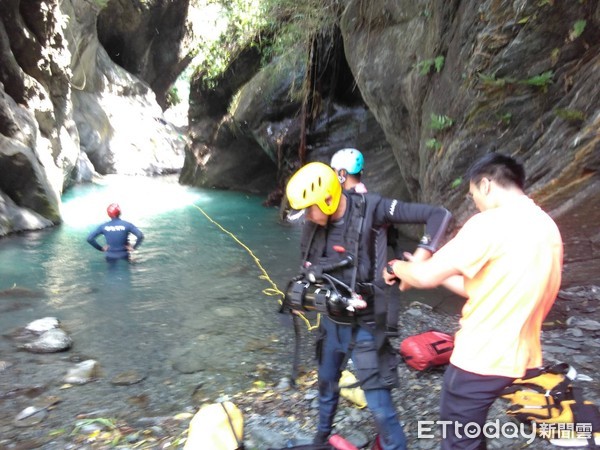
column 216, row 426
column 350, row 389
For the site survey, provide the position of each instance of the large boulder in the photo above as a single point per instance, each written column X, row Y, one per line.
column 39, row 139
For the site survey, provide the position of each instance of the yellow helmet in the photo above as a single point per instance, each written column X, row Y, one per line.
column 313, row 184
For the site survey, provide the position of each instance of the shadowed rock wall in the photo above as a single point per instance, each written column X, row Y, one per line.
column 67, row 112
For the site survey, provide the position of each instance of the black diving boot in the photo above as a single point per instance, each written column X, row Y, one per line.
column 321, row 437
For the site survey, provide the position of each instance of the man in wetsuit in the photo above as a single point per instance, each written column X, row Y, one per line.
column 340, row 231
column 349, row 164
column 507, row 261
column 116, row 233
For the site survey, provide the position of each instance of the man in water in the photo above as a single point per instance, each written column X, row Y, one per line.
column 116, row 233
column 507, row 262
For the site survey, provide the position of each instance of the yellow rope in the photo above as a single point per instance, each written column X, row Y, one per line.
column 273, row 290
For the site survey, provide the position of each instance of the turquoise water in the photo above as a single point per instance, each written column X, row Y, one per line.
column 189, row 314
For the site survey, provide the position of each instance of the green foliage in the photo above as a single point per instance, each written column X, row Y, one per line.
column 277, row 27
column 577, row 29
column 100, row 4
column 542, row 80
column 243, row 20
column 424, row 67
column 570, row 115
column 107, row 423
column 440, row 122
column 433, row 143
column 456, row 183
column 58, row 432
column 492, row 81
column 505, row 118
column 173, row 97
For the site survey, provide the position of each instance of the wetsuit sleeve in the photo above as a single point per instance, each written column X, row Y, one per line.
column 138, row 234
column 308, row 229
column 92, row 238
column 435, row 219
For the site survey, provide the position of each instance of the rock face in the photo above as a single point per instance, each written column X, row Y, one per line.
column 67, row 111
column 38, row 136
column 121, row 126
column 518, row 77
column 439, row 84
column 249, row 132
column 149, row 39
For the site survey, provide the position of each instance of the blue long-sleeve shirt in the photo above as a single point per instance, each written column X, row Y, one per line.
column 116, row 232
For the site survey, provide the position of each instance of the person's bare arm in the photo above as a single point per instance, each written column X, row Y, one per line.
column 428, row 274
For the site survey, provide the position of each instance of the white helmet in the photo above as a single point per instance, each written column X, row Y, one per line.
column 348, row 159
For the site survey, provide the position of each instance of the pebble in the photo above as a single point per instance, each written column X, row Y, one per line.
column 128, row 378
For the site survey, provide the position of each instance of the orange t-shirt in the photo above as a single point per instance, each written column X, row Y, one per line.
column 511, row 259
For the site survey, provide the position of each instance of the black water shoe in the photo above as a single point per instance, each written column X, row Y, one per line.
column 321, row 437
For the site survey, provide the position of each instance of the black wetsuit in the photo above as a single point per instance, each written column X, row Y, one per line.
column 364, row 335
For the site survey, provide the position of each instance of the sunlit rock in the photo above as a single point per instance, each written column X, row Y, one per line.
column 54, row 340
column 41, row 325
column 32, row 415
column 82, row 373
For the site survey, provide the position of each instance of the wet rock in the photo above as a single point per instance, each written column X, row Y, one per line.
column 187, row 366
column 89, row 427
column 48, row 402
column 357, row 438
column 32, row 415
column 587, row 324
column 55, row 340
column 5, row 365
column 128, row 378
column 284, row 384
column 26, row 391
column 39, row 326
column 82, row 373
column 141, row 401
column 263, row 436
column 575, row 332
column 19, row 292
column 571, row 344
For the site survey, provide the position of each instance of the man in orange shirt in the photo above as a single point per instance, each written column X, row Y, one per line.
column 507, row 262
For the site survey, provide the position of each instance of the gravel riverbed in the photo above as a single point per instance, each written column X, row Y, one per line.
column 277, row 414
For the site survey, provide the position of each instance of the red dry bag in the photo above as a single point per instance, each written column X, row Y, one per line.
column 426, row 350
